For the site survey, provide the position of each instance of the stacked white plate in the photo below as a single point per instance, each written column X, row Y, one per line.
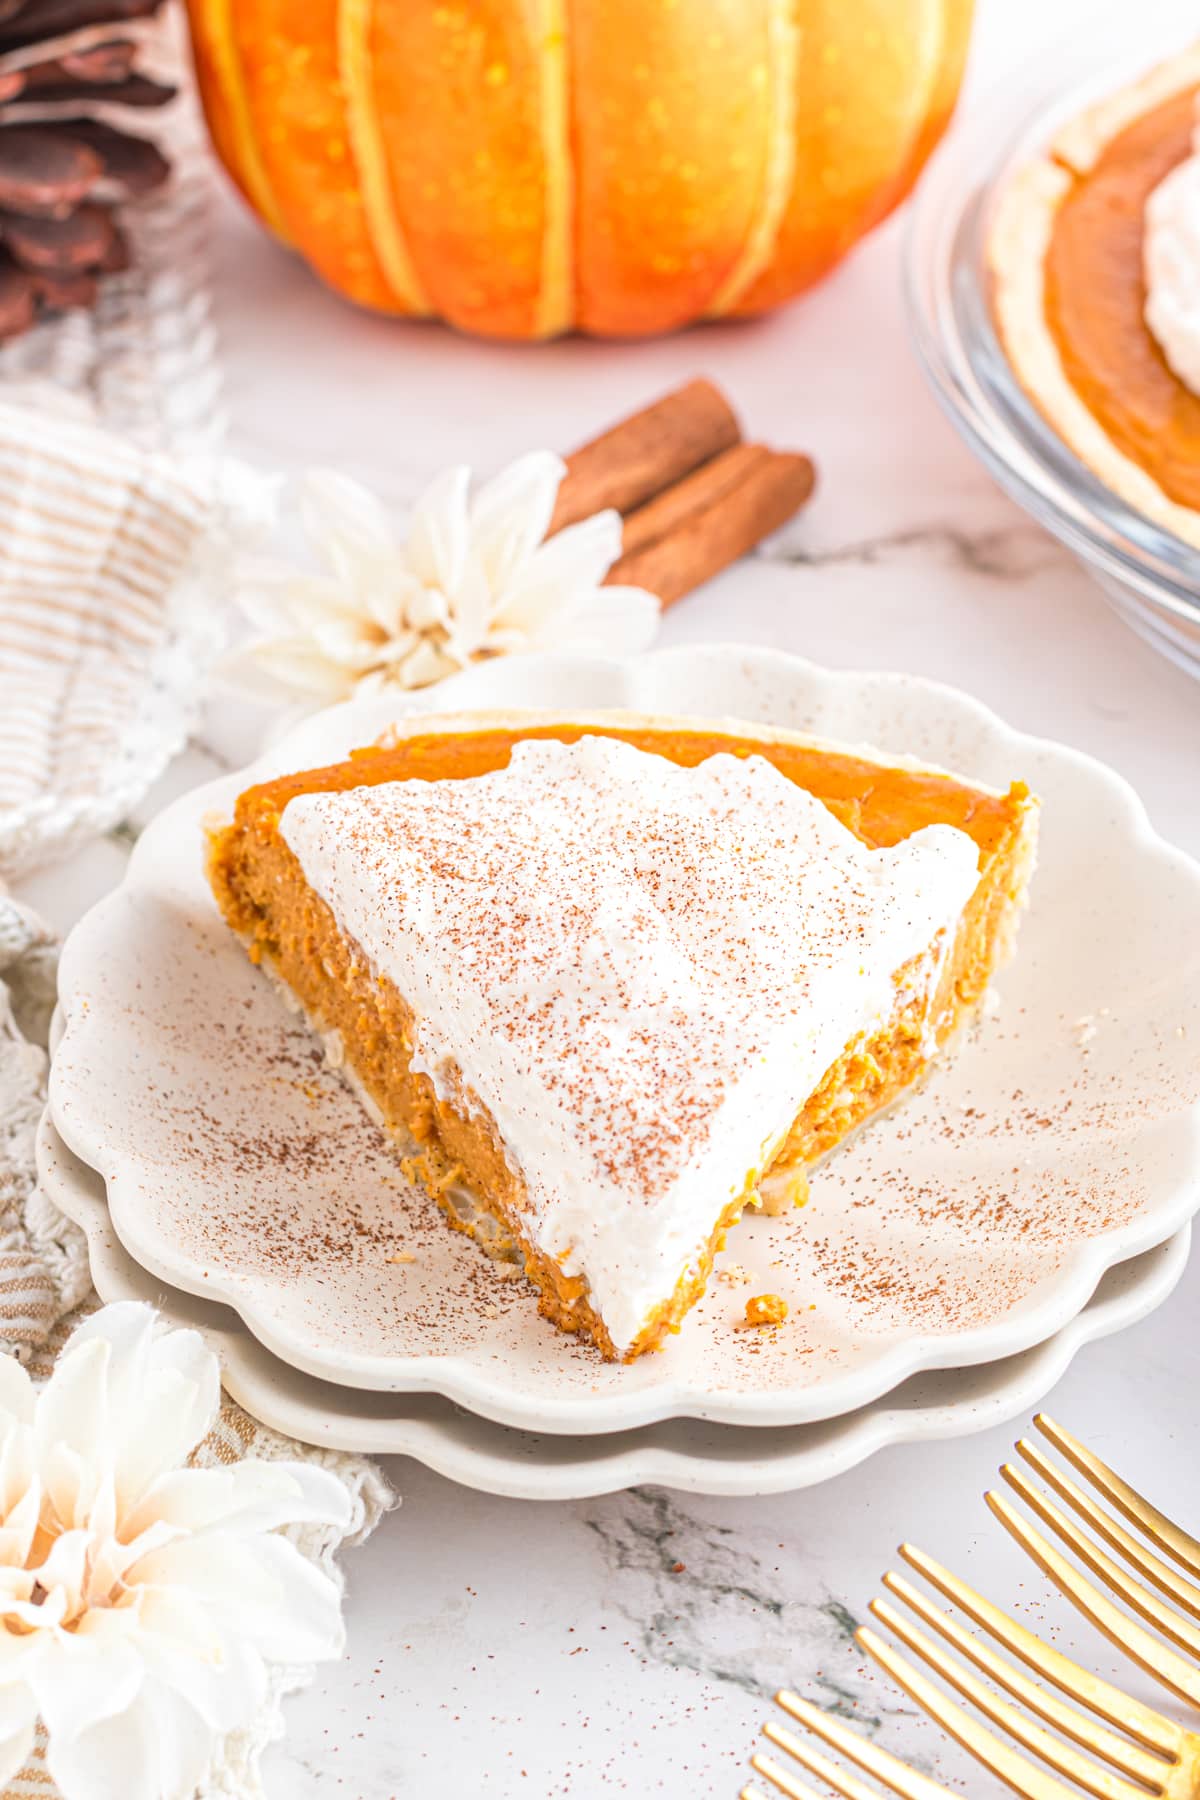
column 1035, row 1194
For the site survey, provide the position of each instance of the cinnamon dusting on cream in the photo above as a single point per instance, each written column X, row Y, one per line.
column 640, row 971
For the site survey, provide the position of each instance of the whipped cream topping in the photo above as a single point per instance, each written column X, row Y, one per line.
column 1171, row 266
column 642, row 971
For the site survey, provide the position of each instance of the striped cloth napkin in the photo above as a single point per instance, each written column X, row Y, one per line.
column 111, row 576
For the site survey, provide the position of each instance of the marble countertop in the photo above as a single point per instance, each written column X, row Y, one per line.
column 630, row 1644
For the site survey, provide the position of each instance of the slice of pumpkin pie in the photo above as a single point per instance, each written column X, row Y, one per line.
column 616, row 978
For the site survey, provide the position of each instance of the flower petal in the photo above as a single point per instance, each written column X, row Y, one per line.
column 315, row 599
column 618, row 620
column 387, row 596
column 22, row 1510
column 347, row 522
column 426, row 608
column 63, row 1574
column 16, row 1393
column 70, row 1430
column 15, row 1584
column 226, row 1687
column 272, row 1596
column 83, row 1677
column 262, row 589
column 351, row 643
column 161, row 1392
column 274, row 668
column 395, row 650
column 112, row 1559
column 156, row 1749
column 173, row 1414
column 568, row 566
column 42, row 1616
column 438, row 534
column 428, row 663
column 471, row 606
column 511, row 514
column 248, row 1497
column 186, row 1643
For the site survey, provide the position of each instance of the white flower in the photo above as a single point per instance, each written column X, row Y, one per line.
column 473, row 578
column 141, row 1600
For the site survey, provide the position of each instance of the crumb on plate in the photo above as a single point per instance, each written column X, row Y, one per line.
column 766, row 1309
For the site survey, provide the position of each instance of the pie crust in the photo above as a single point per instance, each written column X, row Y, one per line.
column 451, row 1139
column 1019, row 241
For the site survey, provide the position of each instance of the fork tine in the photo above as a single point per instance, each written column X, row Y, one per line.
column 1162, row 1531
column 1164, row 1577
column 779, row 1778
column 1134, row 1716
column 840, row 1780
column 1067, row 1760
column 1163, row 1617
column 1011, row 1767
column 1127, row 1757
column 876, row 1761
column 1174, row 1673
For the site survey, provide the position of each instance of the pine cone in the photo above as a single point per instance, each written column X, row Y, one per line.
column 64, row 174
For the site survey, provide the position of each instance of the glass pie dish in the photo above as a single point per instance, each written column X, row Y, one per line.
column 1148, row 574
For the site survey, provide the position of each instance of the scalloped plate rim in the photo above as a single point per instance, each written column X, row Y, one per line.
column 861, row 1434
column 1024, row 1326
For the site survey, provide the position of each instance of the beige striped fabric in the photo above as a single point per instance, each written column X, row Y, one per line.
column 98, row 665
column 96, row 536
column 45, row 1289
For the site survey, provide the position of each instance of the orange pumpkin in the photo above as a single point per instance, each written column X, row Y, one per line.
column 526, row 167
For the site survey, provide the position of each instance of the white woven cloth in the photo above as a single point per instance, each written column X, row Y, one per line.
column 115, row 503
column 45, row 1289
column 113, row 562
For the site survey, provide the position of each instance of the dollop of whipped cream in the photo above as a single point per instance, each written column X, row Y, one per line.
column 1171, row 266
column 642, row 971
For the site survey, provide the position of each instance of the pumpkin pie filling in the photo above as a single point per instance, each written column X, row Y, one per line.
column 439, row 790
column 1096, row 296
column 1093, row 253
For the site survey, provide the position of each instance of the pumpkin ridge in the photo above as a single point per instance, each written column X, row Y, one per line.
column 555, row 306
column 936, row 24
column 779, row 163
column 366, row 146
column 956, row 36
column 522, row 168
column 226, row 64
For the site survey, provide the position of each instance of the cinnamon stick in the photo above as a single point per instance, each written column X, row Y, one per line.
column 706, row 522
column 652, row 450
column 706, row 486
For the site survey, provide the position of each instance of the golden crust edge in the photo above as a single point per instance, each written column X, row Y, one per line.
column 1017, row 244
column 726, row 725
column 1083, row 139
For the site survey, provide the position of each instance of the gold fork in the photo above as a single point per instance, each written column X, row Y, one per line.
column 1172, row 1616
column 1124, row 1750
column 895, row 1776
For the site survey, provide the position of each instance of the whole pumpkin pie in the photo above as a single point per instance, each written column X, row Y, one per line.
column 1094, row 258
column 611, row 979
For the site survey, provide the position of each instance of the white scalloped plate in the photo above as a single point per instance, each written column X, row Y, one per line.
column 972, row 1223
column 685, row 1454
